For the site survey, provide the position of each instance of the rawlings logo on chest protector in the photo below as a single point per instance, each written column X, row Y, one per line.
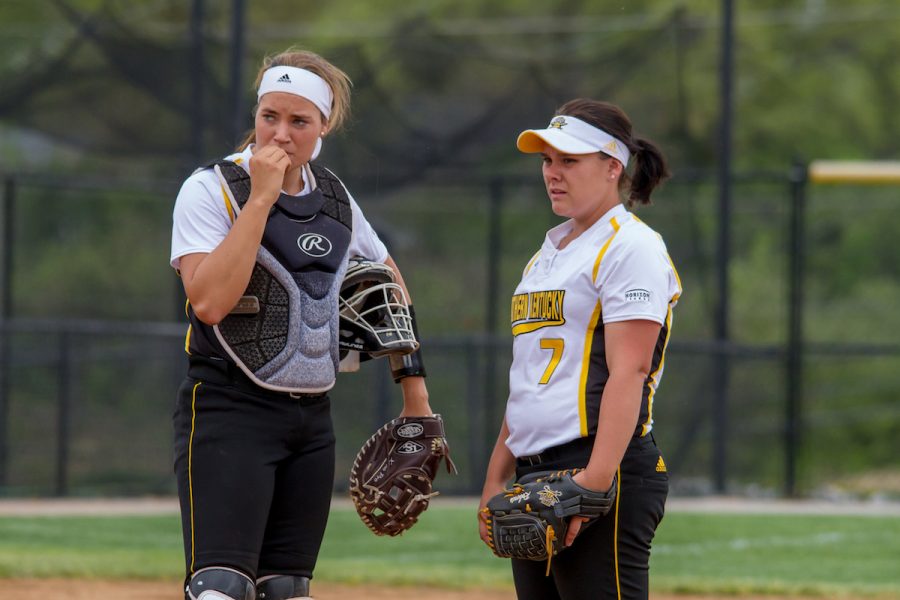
column 314, row 244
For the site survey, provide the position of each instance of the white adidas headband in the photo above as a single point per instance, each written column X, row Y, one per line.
column 299, row 82
column 573, row 136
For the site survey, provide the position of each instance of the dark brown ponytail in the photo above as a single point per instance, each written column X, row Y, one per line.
column 649, row 171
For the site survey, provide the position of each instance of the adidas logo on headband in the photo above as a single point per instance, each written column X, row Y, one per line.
column 300, row 82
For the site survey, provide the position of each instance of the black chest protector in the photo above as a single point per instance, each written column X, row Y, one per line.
column 283, row 333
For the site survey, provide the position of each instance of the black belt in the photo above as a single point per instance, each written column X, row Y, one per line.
column 577, row 448
column 224, row 372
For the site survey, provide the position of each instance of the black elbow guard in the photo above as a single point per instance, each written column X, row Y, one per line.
column 408, row 365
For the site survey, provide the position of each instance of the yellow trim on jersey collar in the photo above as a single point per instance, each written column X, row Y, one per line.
column 531, row 262
column 557, row 233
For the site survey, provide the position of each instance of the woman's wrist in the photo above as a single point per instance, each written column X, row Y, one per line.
column 597, row 479
column 261, row 201
column 487, row 493
column 415, row 397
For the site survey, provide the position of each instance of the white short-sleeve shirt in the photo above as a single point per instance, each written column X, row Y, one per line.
column 202, row 216
column 617, row 270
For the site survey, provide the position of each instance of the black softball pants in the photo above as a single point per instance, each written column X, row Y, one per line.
column 255, row 473
column 610, row 559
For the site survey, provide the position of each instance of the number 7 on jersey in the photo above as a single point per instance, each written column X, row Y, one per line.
column 556, row 345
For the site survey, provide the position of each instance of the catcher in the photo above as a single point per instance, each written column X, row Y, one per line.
column 262, row 240
column 590, row 319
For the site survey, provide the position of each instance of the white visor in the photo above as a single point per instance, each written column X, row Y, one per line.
column 299, row 82
column 573, row 136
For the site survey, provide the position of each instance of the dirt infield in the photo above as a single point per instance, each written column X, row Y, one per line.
column 710, row 504
column 20, row 589
column 42, row 589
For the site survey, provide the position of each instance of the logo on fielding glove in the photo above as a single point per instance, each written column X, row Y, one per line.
column 410, row 447
column 520, row 527
column 391, row 478
column 410, row 430
column 548, row 496
column 523, row 497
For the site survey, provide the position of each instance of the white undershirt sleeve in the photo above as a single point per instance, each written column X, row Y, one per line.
column 199, row 220
column 364, row 241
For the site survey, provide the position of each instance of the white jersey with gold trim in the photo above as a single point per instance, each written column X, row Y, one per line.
column 617, row 270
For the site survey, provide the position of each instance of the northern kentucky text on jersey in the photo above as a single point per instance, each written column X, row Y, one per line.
column 535, row 310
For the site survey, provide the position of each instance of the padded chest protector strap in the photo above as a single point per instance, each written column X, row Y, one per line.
column 336, row 205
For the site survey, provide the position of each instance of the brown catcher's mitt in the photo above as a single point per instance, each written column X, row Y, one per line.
column 390, row 481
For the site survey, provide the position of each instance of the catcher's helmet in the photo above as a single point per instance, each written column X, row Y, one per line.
column 374, row 312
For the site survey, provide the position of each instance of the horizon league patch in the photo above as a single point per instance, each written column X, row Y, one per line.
column 637, row 295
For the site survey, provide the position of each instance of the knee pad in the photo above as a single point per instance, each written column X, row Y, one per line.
column 220, row 583
column 282, row 587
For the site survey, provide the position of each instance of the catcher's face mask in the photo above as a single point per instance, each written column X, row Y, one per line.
column 374, row 312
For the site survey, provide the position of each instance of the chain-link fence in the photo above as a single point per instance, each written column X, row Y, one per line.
column 92, row 352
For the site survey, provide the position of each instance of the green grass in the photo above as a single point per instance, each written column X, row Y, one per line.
column 693, row 553
column 815, row 554
column 90, row 547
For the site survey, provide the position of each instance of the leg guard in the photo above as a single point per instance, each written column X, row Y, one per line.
column 220, row 583
column 282, row 587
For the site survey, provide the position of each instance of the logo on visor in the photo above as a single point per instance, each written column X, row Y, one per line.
column 283, row 79
column 611, row 146
column 314, row 244
column 558, row 123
